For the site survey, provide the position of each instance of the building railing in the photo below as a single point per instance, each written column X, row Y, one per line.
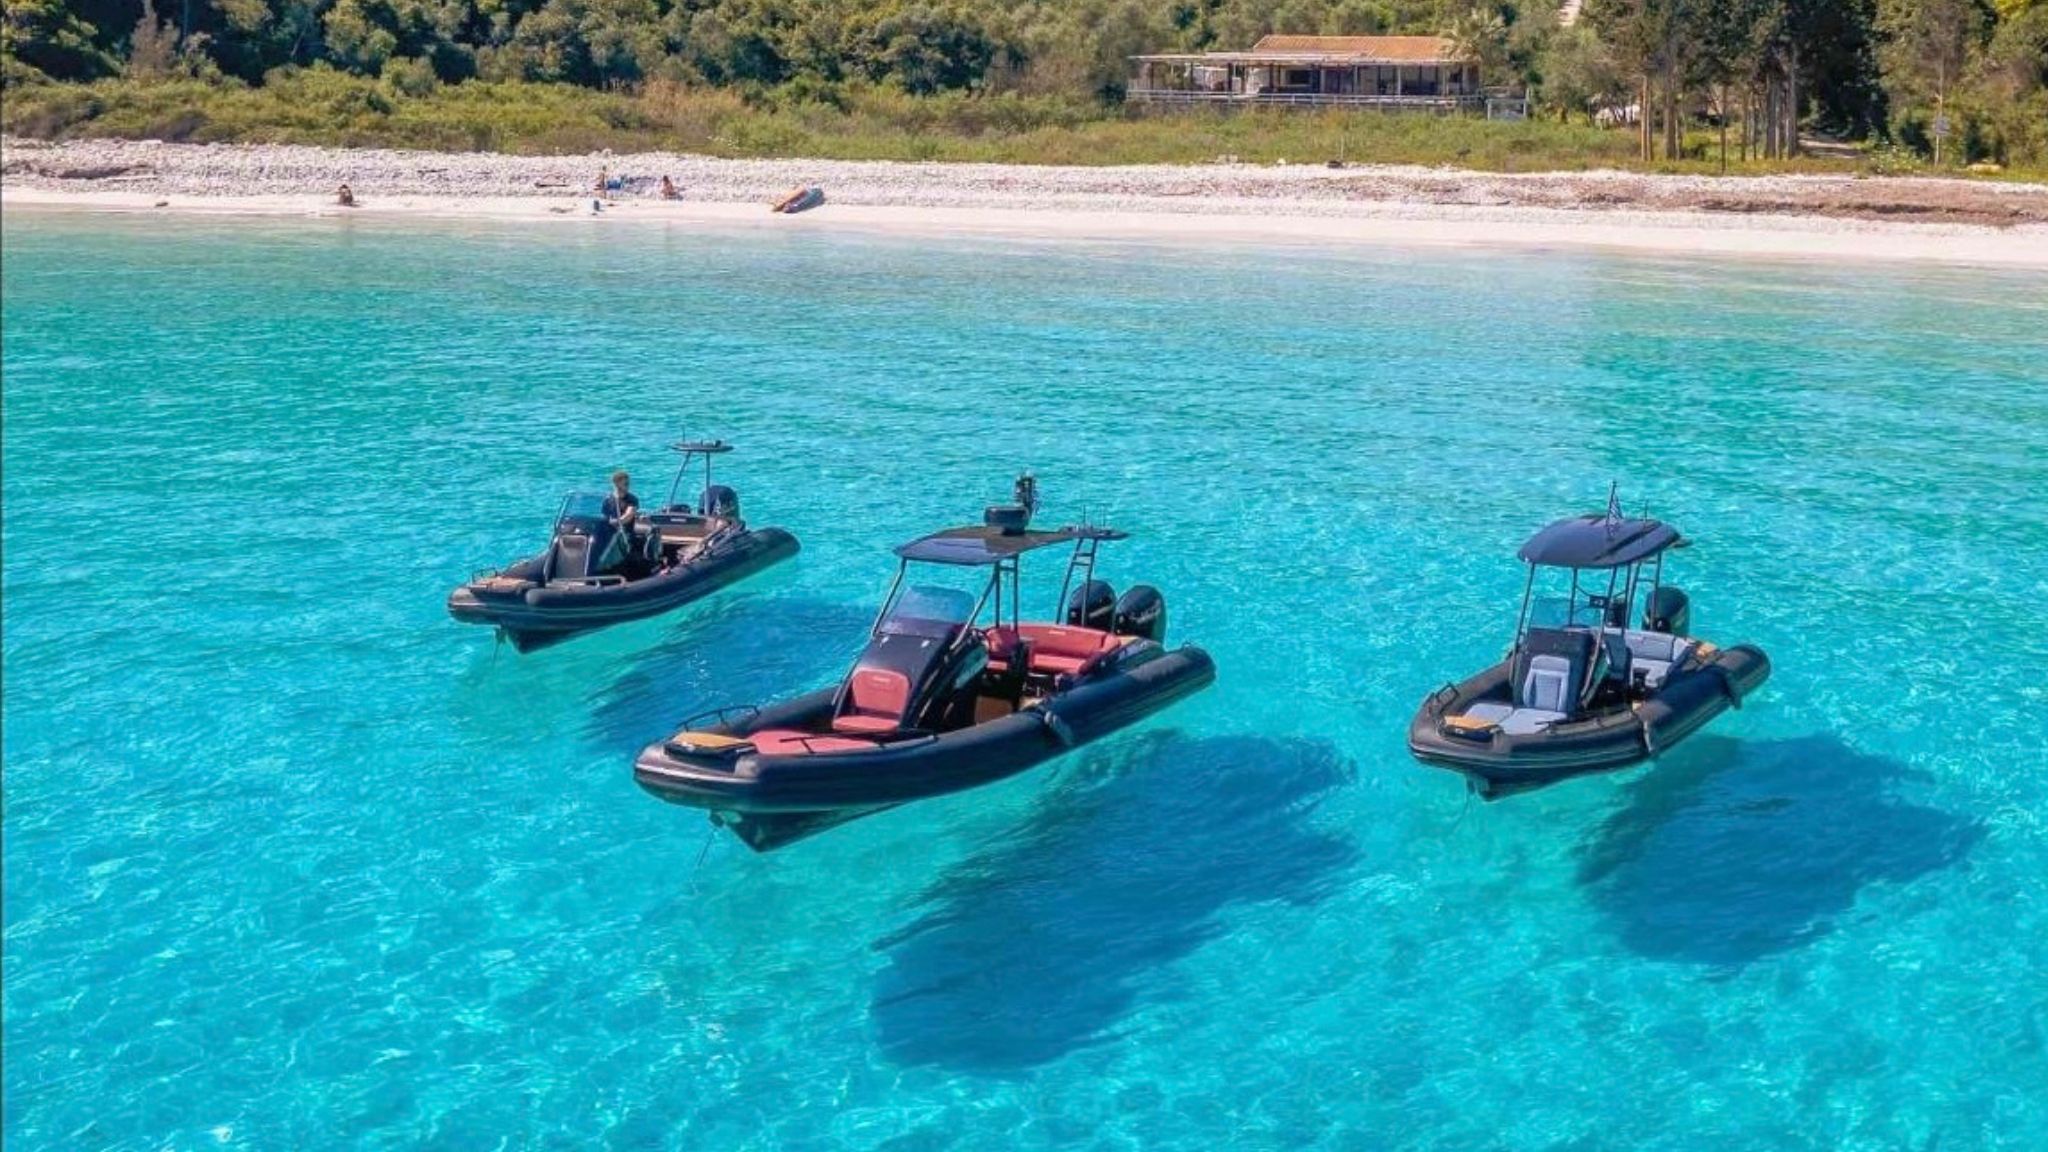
column 1438, row 103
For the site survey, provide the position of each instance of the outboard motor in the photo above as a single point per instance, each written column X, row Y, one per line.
column 722, row 502
column 1668, row 611
column 1092, row 605
column 1141, row 612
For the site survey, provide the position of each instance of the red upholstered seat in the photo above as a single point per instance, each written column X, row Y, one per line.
column 856, row 722
column 875, row 701
column 1002, row 644
column 1057, row 648
column 794, row 742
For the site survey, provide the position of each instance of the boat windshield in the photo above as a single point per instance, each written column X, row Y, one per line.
column 1562, row 612
column 1549, row 611
column 1576, row 606
column 582, row 506
column 925, row 609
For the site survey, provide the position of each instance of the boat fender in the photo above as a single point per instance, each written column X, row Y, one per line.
column 1059, row 729
column 1643, row 726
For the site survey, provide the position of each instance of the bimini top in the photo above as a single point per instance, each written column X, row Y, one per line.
column 1598, row 541
column 981, row 544
column 705, row 446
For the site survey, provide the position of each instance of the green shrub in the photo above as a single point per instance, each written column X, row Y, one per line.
column 855, row 120
column 411, row 76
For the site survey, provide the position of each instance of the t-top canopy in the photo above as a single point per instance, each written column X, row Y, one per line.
column 1598, row 541
column 979, row 544
column 705, row 446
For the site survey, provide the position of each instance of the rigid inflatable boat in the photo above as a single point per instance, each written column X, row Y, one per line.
column 596, row 573
column 940, row 700
column 1587, row 693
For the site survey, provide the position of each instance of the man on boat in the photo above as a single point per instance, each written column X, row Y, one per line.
column 621, row 506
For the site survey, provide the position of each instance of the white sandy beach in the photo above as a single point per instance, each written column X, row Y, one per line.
column 1963, row 222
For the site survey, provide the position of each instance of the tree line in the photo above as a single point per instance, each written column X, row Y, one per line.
column 1891, row 70
column 1914, row 71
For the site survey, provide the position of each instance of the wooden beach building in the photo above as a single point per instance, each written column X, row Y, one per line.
column 1412, row 72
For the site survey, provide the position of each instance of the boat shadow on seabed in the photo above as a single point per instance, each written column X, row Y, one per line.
column 1040, row 942
column 1730, row 851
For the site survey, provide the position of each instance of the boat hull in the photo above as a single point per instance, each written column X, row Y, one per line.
column 533, row 616
column 1499, row 764
column 772, row 800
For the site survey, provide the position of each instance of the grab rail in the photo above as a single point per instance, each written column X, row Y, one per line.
column 879, row 739
column 1442, row 695
column 721, row 715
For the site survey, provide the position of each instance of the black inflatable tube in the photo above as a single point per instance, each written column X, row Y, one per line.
column 916, row 767
column 1501, row 764
column 536, row 617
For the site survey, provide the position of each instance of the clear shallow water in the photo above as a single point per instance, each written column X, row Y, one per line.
column 293, row 861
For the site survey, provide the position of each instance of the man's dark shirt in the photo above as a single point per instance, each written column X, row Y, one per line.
column 615, row 506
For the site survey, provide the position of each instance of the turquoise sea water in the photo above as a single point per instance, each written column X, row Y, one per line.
column 293, row 861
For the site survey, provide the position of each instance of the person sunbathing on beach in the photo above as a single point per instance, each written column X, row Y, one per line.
column 345, row 198
column 668, row 189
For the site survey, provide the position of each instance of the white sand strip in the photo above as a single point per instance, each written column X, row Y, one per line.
column 1382, row 224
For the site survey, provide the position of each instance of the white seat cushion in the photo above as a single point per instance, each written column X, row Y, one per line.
column 1548, row 686
column 1655, row 654
column 1524, row 721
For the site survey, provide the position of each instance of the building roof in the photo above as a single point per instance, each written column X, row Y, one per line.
column 1413, row 49
column 1343, row 51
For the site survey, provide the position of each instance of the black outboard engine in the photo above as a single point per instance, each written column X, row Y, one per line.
column 1141, row 612
column 720, row 501
column 1668, row 611
column 1093, row 605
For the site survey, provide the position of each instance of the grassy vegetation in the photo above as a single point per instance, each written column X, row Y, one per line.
column 324, row 106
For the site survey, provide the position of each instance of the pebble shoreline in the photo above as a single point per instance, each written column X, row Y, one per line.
column 154, row 167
